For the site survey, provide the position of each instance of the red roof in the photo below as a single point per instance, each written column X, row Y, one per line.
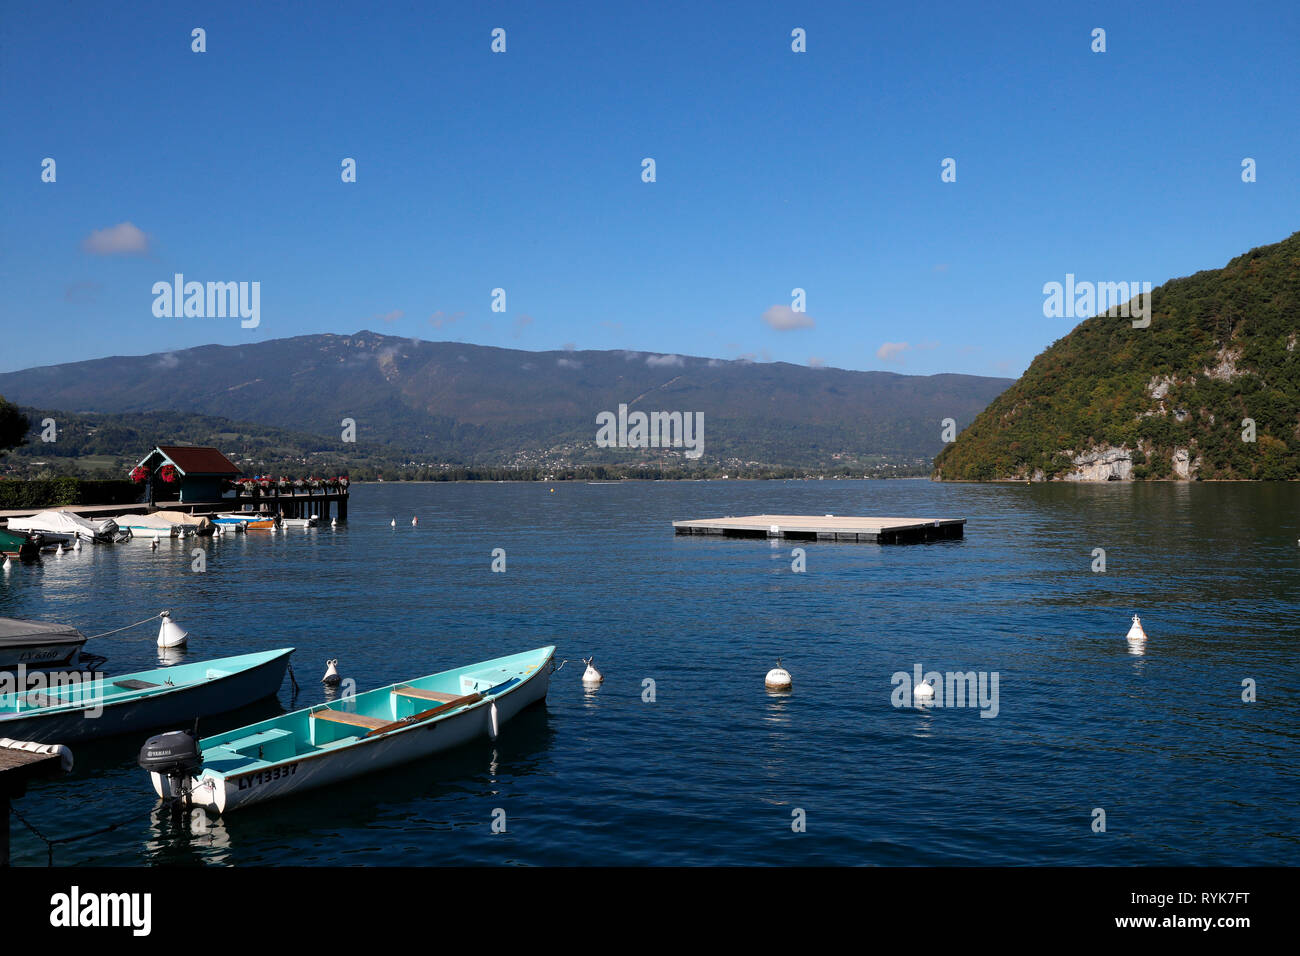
column 199, row 460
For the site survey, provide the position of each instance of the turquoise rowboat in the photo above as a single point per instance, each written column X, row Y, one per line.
column 329, row 743
column 72, row 706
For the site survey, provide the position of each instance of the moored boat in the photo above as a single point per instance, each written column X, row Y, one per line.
column 145, row 527
column 299, row 522
column 66, row 527
column 24, row 545
column 333, row 742
column 249, row 522
column 71, row 707
column 37, row 644
column 197, row 524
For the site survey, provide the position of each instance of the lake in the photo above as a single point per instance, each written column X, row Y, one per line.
column 714, row 769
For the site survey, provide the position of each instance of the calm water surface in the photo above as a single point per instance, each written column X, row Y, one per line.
column 711, row 771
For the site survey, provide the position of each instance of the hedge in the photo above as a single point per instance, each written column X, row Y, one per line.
column 55, row 492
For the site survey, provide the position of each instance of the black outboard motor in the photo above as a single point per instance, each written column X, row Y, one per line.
column 177, row 757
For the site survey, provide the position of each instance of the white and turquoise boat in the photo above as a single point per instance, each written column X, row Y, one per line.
column 72, row 706
column 329, row 743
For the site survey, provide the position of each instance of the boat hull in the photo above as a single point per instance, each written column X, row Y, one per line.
column 221, row 794
column 24, row 546
column 39, row 656
column 179, row 706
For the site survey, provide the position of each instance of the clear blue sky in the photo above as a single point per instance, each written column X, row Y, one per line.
column 775, row 170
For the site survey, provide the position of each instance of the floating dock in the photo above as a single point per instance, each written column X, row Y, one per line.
column 828, row 528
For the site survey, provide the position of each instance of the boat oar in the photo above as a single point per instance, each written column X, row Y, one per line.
column 426, row 714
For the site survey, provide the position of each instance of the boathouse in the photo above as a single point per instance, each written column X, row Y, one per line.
column 197, row 473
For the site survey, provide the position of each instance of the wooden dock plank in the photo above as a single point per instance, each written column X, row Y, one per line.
column 827, row 527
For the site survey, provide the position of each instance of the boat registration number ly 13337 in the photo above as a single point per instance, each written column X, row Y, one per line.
column 266, row 776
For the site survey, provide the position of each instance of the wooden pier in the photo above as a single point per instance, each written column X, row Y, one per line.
column 828, row 528
column 17, row 769
column 290, row 504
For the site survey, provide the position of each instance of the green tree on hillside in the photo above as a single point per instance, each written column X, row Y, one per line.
column 13, row 426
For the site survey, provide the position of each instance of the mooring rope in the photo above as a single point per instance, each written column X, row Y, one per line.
column 128, row 627
column 51, row 844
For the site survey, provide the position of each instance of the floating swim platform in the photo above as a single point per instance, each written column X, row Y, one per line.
column 827, row 528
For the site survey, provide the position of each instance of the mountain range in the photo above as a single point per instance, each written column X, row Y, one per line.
column 467, row 404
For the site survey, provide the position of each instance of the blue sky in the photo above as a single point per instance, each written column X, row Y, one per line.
column 775, row 170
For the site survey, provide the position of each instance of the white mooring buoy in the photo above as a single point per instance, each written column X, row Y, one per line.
column 1135, row 633
column 8, row 564
column 171, row 634
column 778, row 678
column 60, row 551
column 331, row 678
column 393, row 523
column 334, row 522
column 923, row 692
column 153, row 546
column 76, row 544
column 415, row 520
column 591, row 675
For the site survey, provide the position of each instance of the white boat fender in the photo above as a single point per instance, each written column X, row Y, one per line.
column 171, row 634
column 591, row 675
column 1135, row 633
column 923, row 691
column 778, row 678
column 65, row 754
column 493, row 724
column 331, row 678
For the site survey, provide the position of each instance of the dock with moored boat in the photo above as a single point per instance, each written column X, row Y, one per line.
column 288, row 504
column 828, row 528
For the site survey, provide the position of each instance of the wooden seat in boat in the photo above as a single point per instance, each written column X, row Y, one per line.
column 343, row 717
column 437, row 695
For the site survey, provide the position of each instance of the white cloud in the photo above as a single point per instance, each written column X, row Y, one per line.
column 391, row 317
column 783, row 318
column 890, row 351
column 655, row 361
column 815, row 362
column 124, row 239
column 568, row 363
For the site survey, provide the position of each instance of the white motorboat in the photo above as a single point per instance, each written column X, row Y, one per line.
column 64, row 526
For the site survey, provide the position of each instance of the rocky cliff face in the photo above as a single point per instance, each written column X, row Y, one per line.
column 1209, row 389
